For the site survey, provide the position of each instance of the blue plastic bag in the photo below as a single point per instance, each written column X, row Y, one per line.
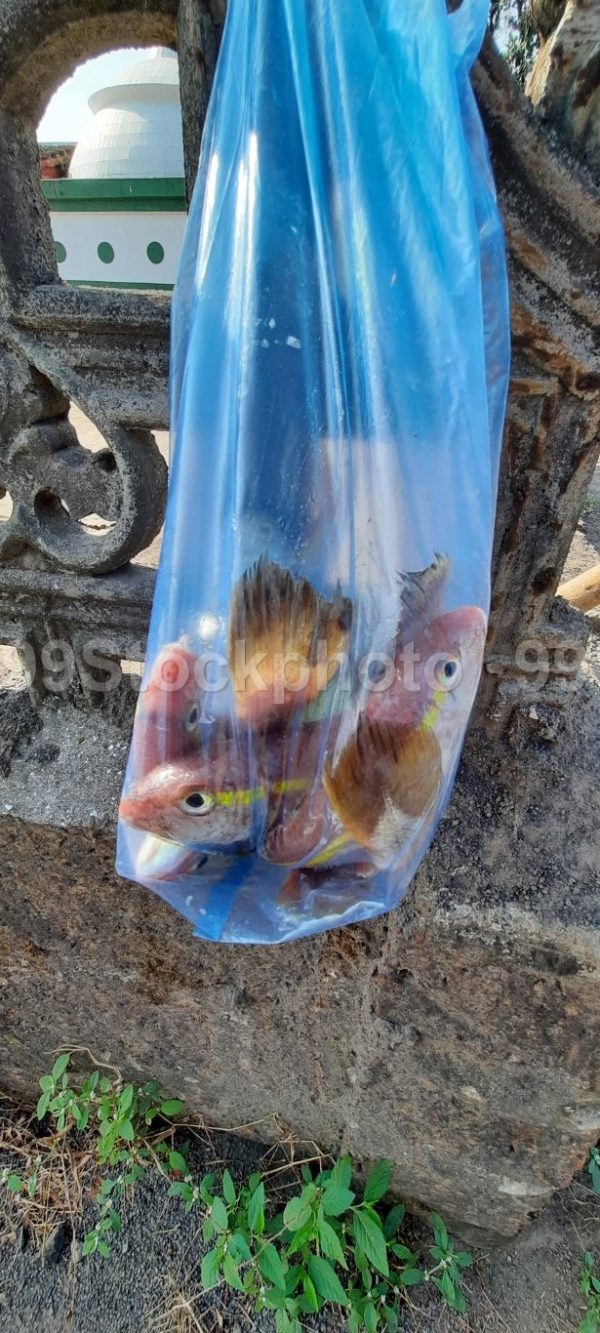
column 340, row 354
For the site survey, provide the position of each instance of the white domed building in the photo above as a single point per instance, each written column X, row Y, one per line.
column 119, row 217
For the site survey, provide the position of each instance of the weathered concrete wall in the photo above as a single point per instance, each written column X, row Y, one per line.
column 459, row 1036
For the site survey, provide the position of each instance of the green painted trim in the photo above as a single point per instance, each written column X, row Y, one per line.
column 161, row 195
column 139, row 286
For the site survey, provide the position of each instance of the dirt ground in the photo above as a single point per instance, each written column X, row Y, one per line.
column 150, row 1283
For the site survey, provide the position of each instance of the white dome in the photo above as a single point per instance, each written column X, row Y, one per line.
column 136, row 130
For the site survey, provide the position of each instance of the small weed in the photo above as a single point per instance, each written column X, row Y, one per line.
column 294, row 1248
column 129, row 1128
column 593, row 1168
column 589, row 1285
column 327, row 1247
column 588, row 507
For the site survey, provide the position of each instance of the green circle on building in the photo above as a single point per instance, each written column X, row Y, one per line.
column 105, row 252
column 155, row 252
column 60, row 252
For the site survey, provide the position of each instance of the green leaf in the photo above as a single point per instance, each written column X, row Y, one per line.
column 593, row 1168
column 205, row 1187
column 331, row 1244
column 43, row 1105
column 301, row 1237
column 312, row 1299
column 231, row 1273
column 14, row 1183
column 283, row 1323
column 447, row 1290
column 103, row 1249
column 296, row 1214
column 336, row 1199
column 342, row 1172
column 59, row 1066
column 274, row 1298
column 125, row 1130
column 240, row 1248
column 47, row 1083
column 370, row 1317
column 126, row 1098
column 403, row 1252
column 326, row 1281
column 271, row 1266
column 372, row 1240
column 292, row 1278
column 90, row 1243
column 378, row 1182
column 256, row 1210
column 460, row 1304
column 177, row 1162
column 229, row 1188
column 391, row 1318
column 173, row 1106
column 590, row 1324
column 463, row 1259
column 218, row 1213
column 393, row 1221
column 410, row 1277
column 439, row 1230
column 254, row 1181
column 210, row 1269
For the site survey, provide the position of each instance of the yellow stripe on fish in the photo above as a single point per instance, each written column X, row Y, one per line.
column 433, row 712
column 249, row 795
column 336, row 845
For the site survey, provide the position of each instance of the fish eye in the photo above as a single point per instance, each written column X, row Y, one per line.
column 196, row 803
column 193, row 718
column 448, row 672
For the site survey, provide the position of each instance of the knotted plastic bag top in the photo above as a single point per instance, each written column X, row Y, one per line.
column 338, row 383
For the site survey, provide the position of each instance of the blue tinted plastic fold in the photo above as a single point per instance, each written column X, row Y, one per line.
column 340, row 352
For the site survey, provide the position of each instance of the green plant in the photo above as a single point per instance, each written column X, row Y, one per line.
column 326, row 1247
column 589, row 1285
column 124, row 1121
column 513, row 25
column 593, row 1168
column 312, row 1242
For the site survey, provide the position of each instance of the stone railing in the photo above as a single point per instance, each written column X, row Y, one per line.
column 108, row 352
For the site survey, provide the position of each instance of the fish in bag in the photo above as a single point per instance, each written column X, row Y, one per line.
column 339, row 369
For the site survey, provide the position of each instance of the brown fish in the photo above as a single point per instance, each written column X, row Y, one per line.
column 294, row 634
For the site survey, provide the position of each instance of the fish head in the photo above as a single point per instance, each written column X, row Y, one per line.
column 206, row 800
column 450, row 660
column 168, row 712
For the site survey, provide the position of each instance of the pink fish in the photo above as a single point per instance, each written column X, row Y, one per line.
column 168, row 711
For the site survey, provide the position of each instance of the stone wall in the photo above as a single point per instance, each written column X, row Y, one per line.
column 458, row 1035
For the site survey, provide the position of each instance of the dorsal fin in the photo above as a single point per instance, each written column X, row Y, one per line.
column 420, row 597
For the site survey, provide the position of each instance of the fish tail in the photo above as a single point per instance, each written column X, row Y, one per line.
column 385, row 779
